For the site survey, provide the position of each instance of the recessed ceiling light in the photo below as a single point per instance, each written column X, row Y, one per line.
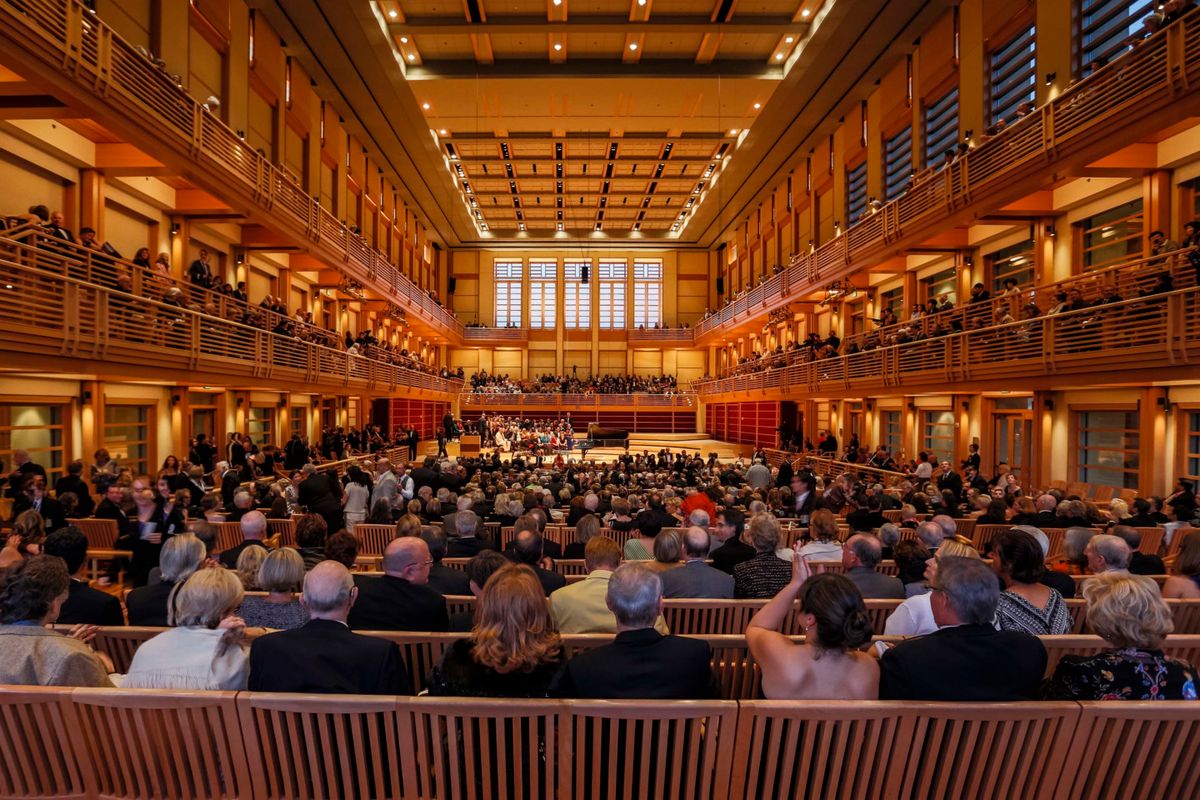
column 412, row 57
column 757, row 106
column 733, row 131
column 633, row 45
column 442, row 132
column 403, row 40
column 393, row 14
column 789, row 39
column 641, row 2
column 804, row 13
column 558, row 2
column 557, row 47
column 779, row 57
column 425, row 106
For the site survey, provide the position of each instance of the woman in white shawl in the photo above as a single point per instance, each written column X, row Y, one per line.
column 206, row 649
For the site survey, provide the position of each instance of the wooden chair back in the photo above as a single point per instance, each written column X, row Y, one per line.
column 169, row 744
column 1186, row 614
column 1184, row 646
column 373, row 539
column 421, row 652
column 982, row 535
column 460, row 604
column 475, row 748
column 322, row 747
column 101, row 534
column 633, row 749
column 42, row 760
column 119, row 644
column 285, row 529
column 229, row 535
column 1077, row 608
column 709, row 617
column 1135, row 749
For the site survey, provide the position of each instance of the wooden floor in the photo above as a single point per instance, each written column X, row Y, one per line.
column 689, row 442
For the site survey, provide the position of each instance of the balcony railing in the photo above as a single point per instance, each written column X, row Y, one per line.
column 670, row 335
column 1153, row 332
column 665, row 402
column 74, row 323
column 63, row 38
column 477, row 334
column 1148, row 83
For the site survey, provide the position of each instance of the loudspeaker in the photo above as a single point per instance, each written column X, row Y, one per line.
column 585, row 274
column 451, row 284
column 720, row 285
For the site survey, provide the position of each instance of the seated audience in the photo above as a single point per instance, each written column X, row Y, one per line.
column 587, row 527
column 206, row 648
column 1026, row 604
column 1184, row 582
column 254, row 528
column 823, row 544
column 966, row 659
column 466, row 541
column 280, row 577
column 828, row 664
column 582, row 607
column 84, row 605
column 766, row 573
column 479, row 569
column 1130, row 615
column 1107, row 553
column 527, row 549
column 399, row 600
column 513, row 650
column 442, row 579
column 911, row 557
column 311, row 533
column 667, row 553
column 149, row 605
column 641, row 662
column 248, row 564
column 1074, row 560
column 28, row 534
column 323, row 656
column 1140, row 563
column 860, row 556
column 727, row 549
column 914, row 617
column 696, row 578
column 31, row 654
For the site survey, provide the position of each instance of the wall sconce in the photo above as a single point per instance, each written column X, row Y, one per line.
column 87, row 396
column 239, row 258
column 912, row 406
column 175, row 399
column 1050, row 76
column 1165, row 404
column 174, row 228
column 969, row 261
column 1051, row 231
column 239, row 400
column 1048, row 405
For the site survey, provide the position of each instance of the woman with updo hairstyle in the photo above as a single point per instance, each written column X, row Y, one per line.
column 28, row 533
column 828, row 665
column 667, row 552
column 585, row 529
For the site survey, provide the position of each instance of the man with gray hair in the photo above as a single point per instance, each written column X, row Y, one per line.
column 966, row 659
column 1107, row 553
column 861, row 554
column 400, row 600
column 699, row 518
column 641, row 663
column 759, row 475
column 696, row 578
column 386, row 487
column 931, row 535
column 323, row 656
column 254, row 527
column 947, row 524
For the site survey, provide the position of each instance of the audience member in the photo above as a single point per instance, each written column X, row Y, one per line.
column 254, row 527
column 727, row 549
column 249, row 563
column 914, row 617
column 860, row 556
column 527, row 549
column 1140, row 563
column 1026, row 604
column 280, row 577
column 766, row 573
column 150, row 605
column 399, row 600
column 1107, row 553
column 442, row 579
column 582, row 607
column 1184, row 582
column 696, row 578
column 84, row 605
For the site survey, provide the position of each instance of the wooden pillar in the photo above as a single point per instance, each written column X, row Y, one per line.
column 91, row 205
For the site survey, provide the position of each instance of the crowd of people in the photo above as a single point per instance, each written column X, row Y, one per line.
column 698, row 528
column 483, row 382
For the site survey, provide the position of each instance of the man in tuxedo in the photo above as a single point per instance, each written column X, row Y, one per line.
column 966, row 659
column 804, row 486
column 200, row 273
column 1140, row 563
column 23, row 467
column 426, row 475
column 696, row 578
column 949, row 480
column 1147, row 513
column 1045, row 516
column 466, row 542
column 413, row 439
column 57, row 227
column 315, row 494
column 295, row 453
column 728, row 549
column 400, row 600
column 323, row 656
column 443, row 580
column 84, row 605
column 73, row 482
column 641, row 662
column 448, row 425
column 110, row 508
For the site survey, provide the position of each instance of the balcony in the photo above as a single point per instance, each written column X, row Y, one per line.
column 54, row 322
column 477, row 335
column 571, row 402
column 679, row 336
column 61, row 42
column 1108, row 343
column 1139, row 93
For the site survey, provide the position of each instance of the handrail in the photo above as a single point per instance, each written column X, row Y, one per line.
column 65, row 38
column 1128, row 277
column 1149, row 78
column 1154, row 330
column 48, row 314
column 679, row 400
column 475, row 333
column 661, row 335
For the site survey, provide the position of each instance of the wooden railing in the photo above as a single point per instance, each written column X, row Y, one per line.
column 665, row 402
column 1147, row 83
column 62, row 38
column 477, row 334
column 671, row 335
column 1146, row 333
column 46, row 315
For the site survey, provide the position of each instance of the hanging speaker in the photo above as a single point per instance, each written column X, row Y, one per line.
column 451, row 284
column 585, row 274
column 720, row 285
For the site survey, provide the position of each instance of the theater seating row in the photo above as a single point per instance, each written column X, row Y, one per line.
column 175, row 745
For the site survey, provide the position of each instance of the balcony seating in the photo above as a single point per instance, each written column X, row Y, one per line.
column 129, row 744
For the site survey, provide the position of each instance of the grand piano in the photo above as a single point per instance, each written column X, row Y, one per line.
column 598, row 436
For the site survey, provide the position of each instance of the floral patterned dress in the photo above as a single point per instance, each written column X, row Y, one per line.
column 1124, row 674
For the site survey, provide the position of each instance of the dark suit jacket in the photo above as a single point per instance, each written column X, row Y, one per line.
column 388, row 603
column 696, row 579
column 641, row 664
column 1061, row 581
column 229, row 557
column 51, row 511
column 87, row 606
column 1046, row 519
column 1143, row 564
column 966, row 663
column 109, row 510
column 1146, row 520
column 76, row 485
column 315, row 494
column 465, row 548
column 147, row 605
column 325, row 657
column 730, row 554
column 423, row 476
column 447, row 580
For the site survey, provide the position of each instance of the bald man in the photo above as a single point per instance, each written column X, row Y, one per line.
column 323, row 656
column 696, row 578
column 400, row 600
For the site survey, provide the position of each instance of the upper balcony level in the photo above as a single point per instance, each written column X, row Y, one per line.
column 61, row 43
column 680, row 401
column 1148, row 89
column 62, row 314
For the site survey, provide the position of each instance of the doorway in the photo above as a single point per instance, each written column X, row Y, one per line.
column 1012, row 433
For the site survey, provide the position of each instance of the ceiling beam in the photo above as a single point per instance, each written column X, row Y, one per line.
column 595, row 68
column 594, row 23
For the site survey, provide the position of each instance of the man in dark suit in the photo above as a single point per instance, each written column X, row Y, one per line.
column 861, row 554
column 231, row 479
column 966, row 659
column 323, row 655
column 949, row 480
column 400, row 600
column 84, row 605
column 295, row 453
column 466, row 541
column 426, row 475
column 22, row 469
column 110, row 508
column 730, row 550
column 254, row 527
column 33, row 497
column 696, row 578
column 1140, row 563
column 203, row 453
column 443, row 580
column 527, row 549
column 640, row 663
column 413, row 439
column 57, row 227
column 1147, row 513
column 73, row 482
column 315, row 493
column 1045, row 516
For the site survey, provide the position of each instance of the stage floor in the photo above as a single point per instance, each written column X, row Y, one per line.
column 653, row 442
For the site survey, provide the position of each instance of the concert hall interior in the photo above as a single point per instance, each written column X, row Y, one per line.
column 605, row 398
